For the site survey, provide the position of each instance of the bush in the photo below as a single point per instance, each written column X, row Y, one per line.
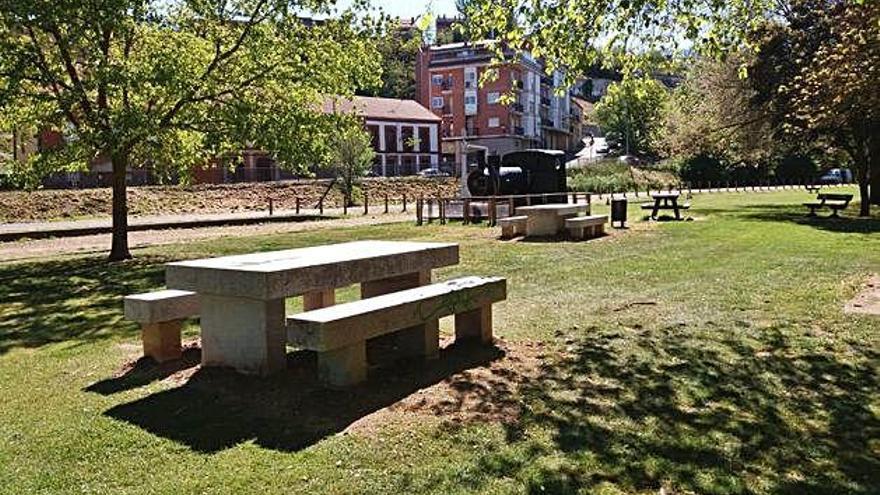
column 701, row 169
column 796, row 168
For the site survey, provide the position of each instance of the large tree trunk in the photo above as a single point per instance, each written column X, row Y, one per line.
column 873, row 160
column 859, row 155
column 119, row 248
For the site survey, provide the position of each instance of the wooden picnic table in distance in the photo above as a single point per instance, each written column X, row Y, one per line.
column 665, row 201
column 549, row 219
column 242, row 297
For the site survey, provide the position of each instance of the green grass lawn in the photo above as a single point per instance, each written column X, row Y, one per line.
column 709, row 356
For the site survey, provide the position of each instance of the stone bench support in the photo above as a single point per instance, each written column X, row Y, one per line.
column 587, row 227
column 161, row 316
column 513, row 226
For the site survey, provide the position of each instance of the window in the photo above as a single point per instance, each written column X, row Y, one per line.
column 437, row 102
column 424, row 139
column 374, row 136
column 391, row 138
column 493, row 97
column 470, row 100
column 406, row 135
column 437, row 79
column 494, row 122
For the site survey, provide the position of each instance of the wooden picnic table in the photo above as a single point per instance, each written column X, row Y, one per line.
column 665, row 201
column 549, row 219
column 243, row 297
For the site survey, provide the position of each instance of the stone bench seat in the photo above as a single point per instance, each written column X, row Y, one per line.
column 513, row 226
column 161, row 316
column 586, row 227
column 339, row 333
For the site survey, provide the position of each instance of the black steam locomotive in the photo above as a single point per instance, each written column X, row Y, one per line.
column 532, row 171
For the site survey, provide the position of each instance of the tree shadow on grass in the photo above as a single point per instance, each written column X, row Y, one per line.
column 216, row 409
column 73, row 301
column 666, row 410
column 797, row 214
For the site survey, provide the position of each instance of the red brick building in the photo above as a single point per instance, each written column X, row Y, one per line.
column 537, row 116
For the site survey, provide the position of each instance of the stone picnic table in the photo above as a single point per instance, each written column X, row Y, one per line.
column 549, row 219
column 242, row 297
column 665, row 201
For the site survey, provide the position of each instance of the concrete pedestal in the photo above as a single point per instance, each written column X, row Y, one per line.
column 475, row 325
column 544, row 223
column 343, row 366
column 245, row 334
column 319, row 299
column 162, row 340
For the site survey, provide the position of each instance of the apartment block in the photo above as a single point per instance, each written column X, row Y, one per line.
column 521, row 107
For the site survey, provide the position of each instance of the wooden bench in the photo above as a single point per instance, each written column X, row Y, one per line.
column 833, row 201
column 161, row 316
column 513, row 226
column 586, row 227
column 339, row 333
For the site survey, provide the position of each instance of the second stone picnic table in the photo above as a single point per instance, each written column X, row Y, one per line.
column 549, row 219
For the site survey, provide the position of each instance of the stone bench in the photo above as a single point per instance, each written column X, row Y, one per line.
column 586, row 227
column 513, row 226
column 161, row 316
column 339, row 333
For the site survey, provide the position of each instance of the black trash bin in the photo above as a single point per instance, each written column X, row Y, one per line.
column 618, row 212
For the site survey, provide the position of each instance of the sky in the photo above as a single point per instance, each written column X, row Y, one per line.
column 410, row 8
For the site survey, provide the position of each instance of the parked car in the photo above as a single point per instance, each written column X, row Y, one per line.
column 432, row 173
column 837, row 176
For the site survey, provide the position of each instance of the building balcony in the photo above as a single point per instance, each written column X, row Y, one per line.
column 546, row 122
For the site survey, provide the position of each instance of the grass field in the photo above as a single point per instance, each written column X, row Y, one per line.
column 709, row 356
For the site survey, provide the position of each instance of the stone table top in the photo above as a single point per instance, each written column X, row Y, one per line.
column 292, row 272
column 560, row 208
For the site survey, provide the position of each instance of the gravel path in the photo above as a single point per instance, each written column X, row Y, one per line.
column 41, row 248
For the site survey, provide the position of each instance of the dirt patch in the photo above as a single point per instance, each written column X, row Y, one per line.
column 22, row 206
column 487, row 393
column 868, row 300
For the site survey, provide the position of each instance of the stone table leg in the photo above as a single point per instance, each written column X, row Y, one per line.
column 542, row 223
column 420, row 340
column 319, row 299
column 245, row 334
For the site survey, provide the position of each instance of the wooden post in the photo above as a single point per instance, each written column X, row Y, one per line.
column 297, row 205
column 510, row 206
column 386, row 203
column 441, row 204
column 466, row 211
column 321, row 206
column 271, row 206
column 528, row 200
column 344, row 206
column 366, row 204
column 404, row 203
column 492, row 211
column 419, row 207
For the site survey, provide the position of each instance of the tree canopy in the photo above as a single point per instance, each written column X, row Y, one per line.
column 175, row 83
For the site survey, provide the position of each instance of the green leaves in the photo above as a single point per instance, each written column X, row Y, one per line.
column 176, row 83
column 631, row 111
